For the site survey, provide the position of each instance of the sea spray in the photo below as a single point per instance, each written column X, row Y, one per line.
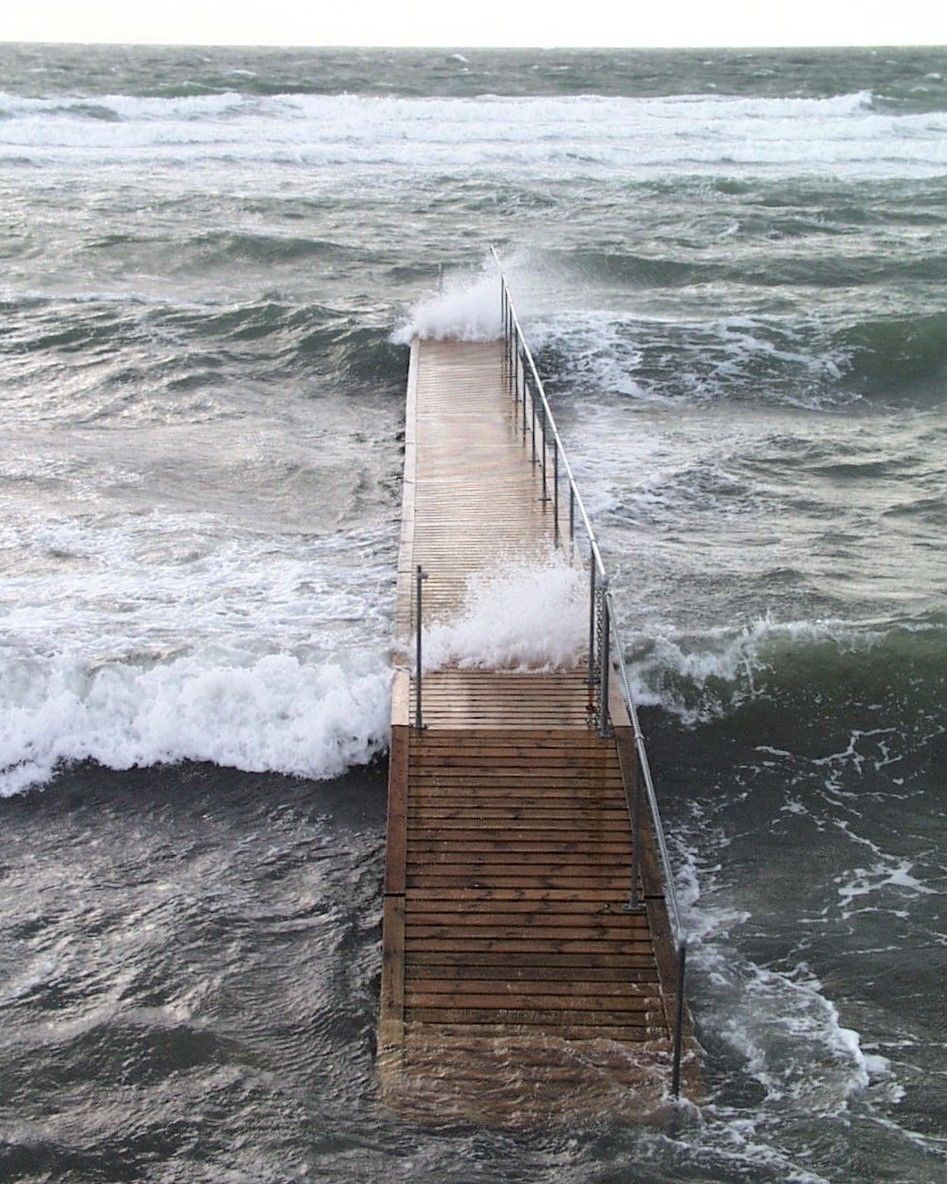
column 527, row 616
column 466, row 309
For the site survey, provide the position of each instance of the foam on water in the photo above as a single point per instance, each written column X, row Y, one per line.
column 672, row 133
column 277, row 714
column 783, row 1027
column 886, row 873
column 649, row 359
column 165, row 637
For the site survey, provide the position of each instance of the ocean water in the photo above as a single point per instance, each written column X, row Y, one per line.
column 733, row 267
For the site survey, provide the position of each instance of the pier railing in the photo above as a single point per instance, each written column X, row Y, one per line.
column 606, row 656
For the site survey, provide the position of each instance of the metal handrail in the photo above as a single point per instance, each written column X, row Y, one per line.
column 678, row 931
column 605, row 640
column 549, row 421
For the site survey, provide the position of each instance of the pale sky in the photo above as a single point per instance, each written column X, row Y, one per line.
column 479, row 22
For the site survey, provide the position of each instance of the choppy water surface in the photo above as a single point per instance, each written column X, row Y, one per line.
column 733, row 265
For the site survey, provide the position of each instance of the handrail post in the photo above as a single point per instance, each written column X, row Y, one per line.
column 505, row 321
column 510, row 358
column 512, row 377
column 523, row 392
column 555, row 491
column 420, row 577
column 532, row 414
column 604, row 662
column 634, row 900
column 679, row 1022
column 591, row 677
column 545, row 493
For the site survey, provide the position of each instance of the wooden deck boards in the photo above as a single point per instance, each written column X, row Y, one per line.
column 516, row 982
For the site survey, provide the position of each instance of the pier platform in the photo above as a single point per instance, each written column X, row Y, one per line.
column 529, row 966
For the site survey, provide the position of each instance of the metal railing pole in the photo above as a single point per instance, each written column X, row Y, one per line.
column 555, row 492
column 511, row 361
column 505, row 319
column 591, row 677
column 523, row 391
column 509, row 353
column 545, row 492
column 420, row 577
column 604, row 663
column 679, row 1022
column 532, row 416
column 634, row 900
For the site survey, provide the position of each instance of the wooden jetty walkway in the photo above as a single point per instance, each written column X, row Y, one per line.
column 531, row 965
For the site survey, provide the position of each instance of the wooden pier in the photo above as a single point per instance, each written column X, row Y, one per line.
column 524, row 976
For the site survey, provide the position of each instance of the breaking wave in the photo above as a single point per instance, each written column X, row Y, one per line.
column 681, row 133
column 786, row 361
column 278, row 714
column 702, row 677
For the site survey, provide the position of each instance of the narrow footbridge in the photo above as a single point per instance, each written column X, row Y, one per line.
column 533, row 952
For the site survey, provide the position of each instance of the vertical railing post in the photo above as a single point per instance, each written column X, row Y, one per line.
column 634, row 900
column 522, row 374
column 513, row 378
column 555, row 490
column 571, row 514
column 420, row 577
column 592, row 614
column 510, row 367
column 679, row 1022
column 545, row 433
column 532, row 414
column 604, row 660
column 504, row 321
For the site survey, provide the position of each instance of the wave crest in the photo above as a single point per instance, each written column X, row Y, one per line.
column 277, row 715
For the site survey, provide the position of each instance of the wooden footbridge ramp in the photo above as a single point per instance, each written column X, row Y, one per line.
column 533, row 954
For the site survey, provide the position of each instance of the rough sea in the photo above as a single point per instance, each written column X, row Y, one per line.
column 733, row 267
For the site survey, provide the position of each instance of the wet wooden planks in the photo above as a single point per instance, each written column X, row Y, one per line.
column 516, row 981
column 473, row 499
column 487, row 800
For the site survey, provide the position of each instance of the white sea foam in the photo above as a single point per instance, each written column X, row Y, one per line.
column 885, row 873
column 782, row 1023
column 524, row 616
column 520, row 135
column 166, row 637
column 650, row 359
column 278, row 714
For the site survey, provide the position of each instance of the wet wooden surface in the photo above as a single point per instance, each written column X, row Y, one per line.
column 516, row 982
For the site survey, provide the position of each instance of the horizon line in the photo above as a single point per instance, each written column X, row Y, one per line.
column 462, row 47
